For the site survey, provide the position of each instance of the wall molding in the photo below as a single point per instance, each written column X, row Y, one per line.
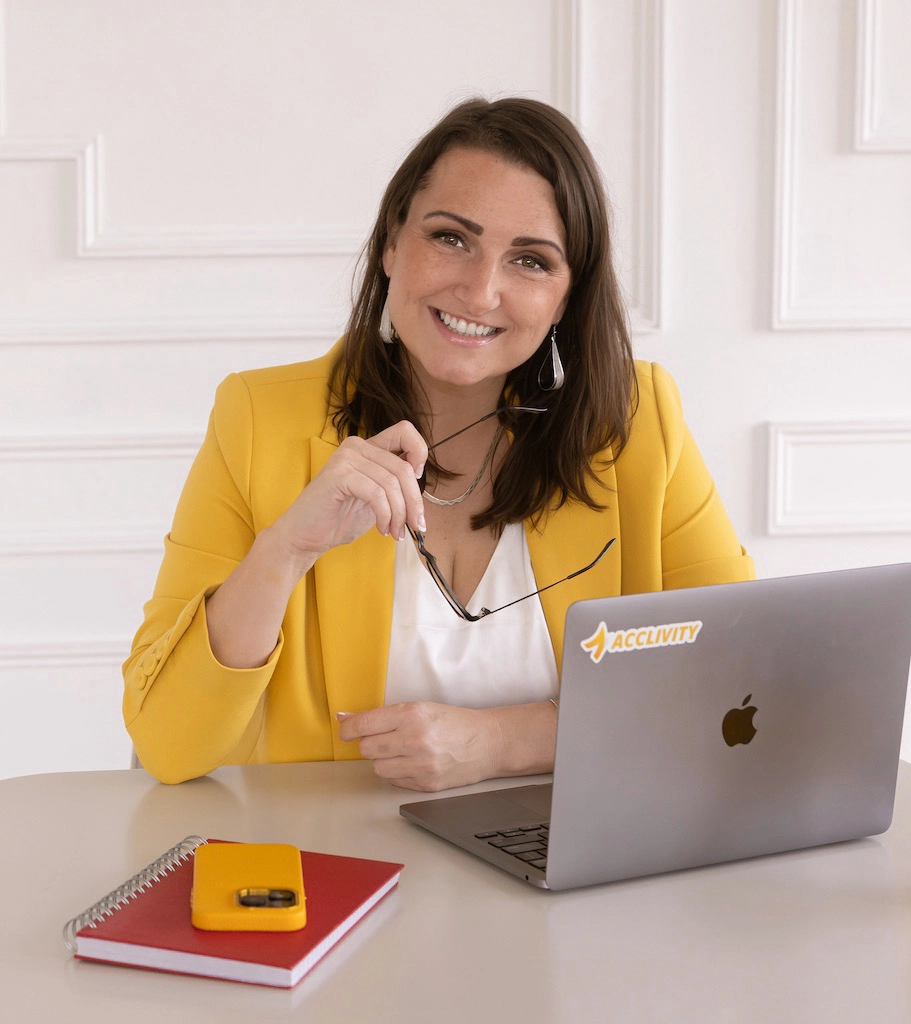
column 647, row 301
column 647, row 309
column 566, row 75
column 784, row 514
column 788, row 313
column 3, row 85
column 95, row 539
column 78, row 447
column 65, row 654
column 94, row 239
column 869, row 136
column 323, row 327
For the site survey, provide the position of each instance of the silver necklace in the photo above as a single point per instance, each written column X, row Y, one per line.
column 474, row 483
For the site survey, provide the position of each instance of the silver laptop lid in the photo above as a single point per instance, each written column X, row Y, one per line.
column 706, row 725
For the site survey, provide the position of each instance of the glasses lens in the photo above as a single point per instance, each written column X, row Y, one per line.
column 443, row 587
column 438, row 577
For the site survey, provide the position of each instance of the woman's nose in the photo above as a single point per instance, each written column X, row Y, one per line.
column 479, row 286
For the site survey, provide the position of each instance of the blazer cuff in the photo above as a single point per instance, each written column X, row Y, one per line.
column 177, row 688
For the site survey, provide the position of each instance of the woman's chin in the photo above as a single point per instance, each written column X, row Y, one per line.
column 446, row 374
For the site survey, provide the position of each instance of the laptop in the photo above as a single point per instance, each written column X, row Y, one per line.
column 707, row 725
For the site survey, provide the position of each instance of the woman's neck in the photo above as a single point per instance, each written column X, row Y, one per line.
column 445, row 412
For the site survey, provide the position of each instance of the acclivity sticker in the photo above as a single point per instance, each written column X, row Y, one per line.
column 639, row 638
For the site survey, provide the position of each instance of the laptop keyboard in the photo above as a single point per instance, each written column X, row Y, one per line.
column 527, row 842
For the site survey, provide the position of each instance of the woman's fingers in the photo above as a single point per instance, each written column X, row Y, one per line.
column 386, row 481
column 423, row 745
column 405, row 440
column 360, row 473
column 365, row 482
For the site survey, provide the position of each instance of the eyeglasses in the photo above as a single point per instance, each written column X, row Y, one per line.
column 431, row 562
column 456, row 605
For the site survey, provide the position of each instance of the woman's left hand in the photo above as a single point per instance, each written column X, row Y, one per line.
column 426, row 746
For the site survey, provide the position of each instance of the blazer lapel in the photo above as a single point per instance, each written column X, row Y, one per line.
column 567, row 540
column 354, row 586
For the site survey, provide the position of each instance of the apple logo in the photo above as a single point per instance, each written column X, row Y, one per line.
column 737, row 726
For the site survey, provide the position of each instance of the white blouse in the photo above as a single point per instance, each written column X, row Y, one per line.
column 435, row 655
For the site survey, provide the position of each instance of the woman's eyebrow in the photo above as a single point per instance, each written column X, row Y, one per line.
column 469, row 225
column 525, row 240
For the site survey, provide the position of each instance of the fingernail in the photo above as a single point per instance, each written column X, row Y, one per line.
column 342, row 715
column 419, row 472
column 422, row 524
column 402, row 534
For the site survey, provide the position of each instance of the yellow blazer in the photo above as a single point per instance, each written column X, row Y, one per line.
column 269, row 434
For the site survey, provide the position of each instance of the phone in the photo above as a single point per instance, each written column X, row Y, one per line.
column 248, row 887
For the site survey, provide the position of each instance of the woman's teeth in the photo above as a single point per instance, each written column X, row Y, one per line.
column 467, row 328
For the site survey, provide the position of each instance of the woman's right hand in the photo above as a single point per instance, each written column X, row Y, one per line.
column 366, row 482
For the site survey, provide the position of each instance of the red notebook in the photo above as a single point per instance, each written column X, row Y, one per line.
column 146, row 922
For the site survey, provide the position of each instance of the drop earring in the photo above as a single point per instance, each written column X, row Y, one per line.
column 387, row 331
column 551, row 375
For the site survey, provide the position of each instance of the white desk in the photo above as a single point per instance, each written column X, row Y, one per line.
column 817, row 936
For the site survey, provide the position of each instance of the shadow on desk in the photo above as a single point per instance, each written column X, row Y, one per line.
column 815, row 935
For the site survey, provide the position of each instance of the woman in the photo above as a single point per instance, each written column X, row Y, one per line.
column 481, row 432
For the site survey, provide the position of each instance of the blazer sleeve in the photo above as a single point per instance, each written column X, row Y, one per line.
column 185, row 712
column 699, row 546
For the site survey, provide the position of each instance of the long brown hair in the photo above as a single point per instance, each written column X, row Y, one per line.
column 550, row 460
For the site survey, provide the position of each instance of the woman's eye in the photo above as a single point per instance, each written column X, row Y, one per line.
column 448, row 238
column 532, row 262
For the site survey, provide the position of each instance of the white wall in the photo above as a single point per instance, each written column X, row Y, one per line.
column 184, row 183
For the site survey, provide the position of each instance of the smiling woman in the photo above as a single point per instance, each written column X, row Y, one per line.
column 484, row 406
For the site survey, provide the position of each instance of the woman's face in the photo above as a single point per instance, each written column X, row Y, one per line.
column 478, row 271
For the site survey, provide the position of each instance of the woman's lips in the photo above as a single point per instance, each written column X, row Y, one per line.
column 470, row 338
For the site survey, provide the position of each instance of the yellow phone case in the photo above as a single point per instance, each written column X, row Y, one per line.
column 248, row 887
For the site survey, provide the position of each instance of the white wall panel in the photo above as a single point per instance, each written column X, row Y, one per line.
column 70, row 596
column 621, row 106
column 812, row 491
column 843, row 218
column 67, row 493
column 883, row 114
column 162, row 384
column 67, row 712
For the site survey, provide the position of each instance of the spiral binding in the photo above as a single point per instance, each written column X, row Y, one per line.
column 130, row 889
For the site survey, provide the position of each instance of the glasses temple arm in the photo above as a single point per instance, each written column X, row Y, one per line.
column 556, row 583
column 505, row 408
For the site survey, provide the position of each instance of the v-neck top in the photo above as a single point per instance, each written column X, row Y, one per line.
column 435, row 655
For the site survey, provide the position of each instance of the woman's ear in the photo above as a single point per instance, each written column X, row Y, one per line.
column 389, row 254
